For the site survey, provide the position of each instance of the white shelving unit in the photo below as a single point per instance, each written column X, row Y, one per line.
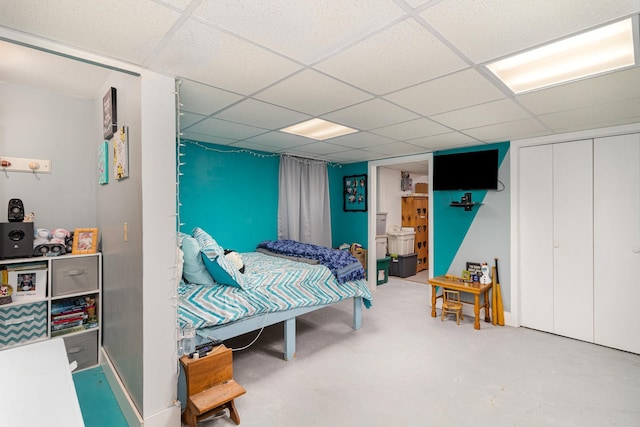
column 70, row 281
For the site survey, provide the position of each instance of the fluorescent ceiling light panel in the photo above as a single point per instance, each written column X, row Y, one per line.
column 604, row 49
column 318, row 129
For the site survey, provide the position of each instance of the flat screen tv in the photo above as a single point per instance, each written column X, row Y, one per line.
column 474, row 170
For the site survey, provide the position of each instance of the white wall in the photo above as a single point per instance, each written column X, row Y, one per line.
column 49, row 126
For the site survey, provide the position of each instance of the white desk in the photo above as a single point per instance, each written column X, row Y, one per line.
column 37, row 388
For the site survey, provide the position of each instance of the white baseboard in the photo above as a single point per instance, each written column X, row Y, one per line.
column 127, row 406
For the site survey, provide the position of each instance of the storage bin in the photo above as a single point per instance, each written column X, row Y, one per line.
column 383, row 266
column 401, row 242
column 381, row 223
column 381, row 246
column 83, row 349
column 74, row 274
column 404, row 265
column 22, row 323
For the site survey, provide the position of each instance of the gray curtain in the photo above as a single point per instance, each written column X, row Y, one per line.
column 304, row 212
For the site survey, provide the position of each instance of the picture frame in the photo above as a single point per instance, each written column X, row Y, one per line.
column 85, row 241
column 28, row 285
column 466, row 276
column 109, row 114
column 475, row 270
column 355, row 193
column 103, row 163
column 121, row 153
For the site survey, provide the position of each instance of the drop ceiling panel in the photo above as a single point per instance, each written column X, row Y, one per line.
column 261, row 114
column 517, row 129
column 225, row 129
column 403, row 55
column 458, row 90
column 280, row 140
column 205, row 54
column 189, row 119
column 353, row 156
column 445, row 140
column 322, row 147
column 106, row 27
column 585, row 93
column 488, row 29
column 615, row 113
column 412, row 129
column 304, row 31
column 203, row 99
column 312, row 93
column 396, row 149
column 490, row 113
column 361, row 140
column 195, row 136
column 371, row 114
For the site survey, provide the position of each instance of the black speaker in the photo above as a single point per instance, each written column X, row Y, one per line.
column 49, row 249
column 16, row 239
column 16, row 210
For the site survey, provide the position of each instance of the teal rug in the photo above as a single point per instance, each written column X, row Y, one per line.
column 97, row 402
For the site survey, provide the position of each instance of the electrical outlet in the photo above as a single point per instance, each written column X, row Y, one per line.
column 18, row 164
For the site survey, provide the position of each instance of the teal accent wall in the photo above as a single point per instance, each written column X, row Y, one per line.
column 232, row 196
column 450, row 225
column 346, row 227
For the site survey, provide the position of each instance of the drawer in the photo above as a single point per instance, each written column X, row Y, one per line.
column 83, row 348
column 22, row 323
column 72, row 275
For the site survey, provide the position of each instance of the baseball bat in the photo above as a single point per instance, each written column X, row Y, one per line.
column 499, row 307
column 494, row 316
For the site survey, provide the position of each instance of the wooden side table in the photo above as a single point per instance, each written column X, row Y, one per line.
column 210, row 386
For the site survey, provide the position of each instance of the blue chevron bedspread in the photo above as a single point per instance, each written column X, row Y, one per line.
column 341, row 263
column 277, row 284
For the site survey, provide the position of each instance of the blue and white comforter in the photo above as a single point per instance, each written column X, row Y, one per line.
column 277, row 284
column 341, row 263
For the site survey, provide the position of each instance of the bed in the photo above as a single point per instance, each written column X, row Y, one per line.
column 275, row 288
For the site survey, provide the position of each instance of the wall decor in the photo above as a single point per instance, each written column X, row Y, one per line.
column 121, row 153
column 103, row 163
column 355, row 193
column 85, row 241
column 109, row 113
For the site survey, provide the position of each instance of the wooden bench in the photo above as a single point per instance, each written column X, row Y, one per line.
column 210, row 386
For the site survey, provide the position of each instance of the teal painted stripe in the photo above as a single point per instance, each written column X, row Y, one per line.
column 97, row 402
column 451, row 225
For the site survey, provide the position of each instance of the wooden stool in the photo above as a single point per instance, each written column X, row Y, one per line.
column 210, row 386
column 451, row 304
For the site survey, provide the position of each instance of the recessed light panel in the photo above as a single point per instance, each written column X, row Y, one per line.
column 598, row 51
column 318, row 129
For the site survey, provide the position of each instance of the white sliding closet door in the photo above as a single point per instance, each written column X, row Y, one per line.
column 535, row 198
column 556, row 238
column 573, row 239
column 617, row 241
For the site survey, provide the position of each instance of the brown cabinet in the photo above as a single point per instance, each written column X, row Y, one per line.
column 415, row 214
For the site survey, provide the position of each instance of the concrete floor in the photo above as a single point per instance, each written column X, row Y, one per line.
column 405, row 368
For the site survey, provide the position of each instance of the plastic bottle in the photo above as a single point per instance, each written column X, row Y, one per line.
column 188, row 338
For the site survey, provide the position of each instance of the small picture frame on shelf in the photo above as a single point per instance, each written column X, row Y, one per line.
column 85, row 241
column 28, row 284
column 475, row 271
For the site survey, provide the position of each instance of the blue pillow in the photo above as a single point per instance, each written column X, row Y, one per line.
column 223, row 271
column 207, row 243
column 193, row 269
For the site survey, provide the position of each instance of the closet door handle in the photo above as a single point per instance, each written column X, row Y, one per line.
column 636, row 250
column 556, row 244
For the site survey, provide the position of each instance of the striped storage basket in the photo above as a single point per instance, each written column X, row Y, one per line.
column 22, row 323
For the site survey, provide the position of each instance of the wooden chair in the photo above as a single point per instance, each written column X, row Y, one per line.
column 210, row 386
column 451, row 304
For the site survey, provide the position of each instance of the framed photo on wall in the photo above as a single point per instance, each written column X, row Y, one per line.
column 109, row 113
column 355, row 193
